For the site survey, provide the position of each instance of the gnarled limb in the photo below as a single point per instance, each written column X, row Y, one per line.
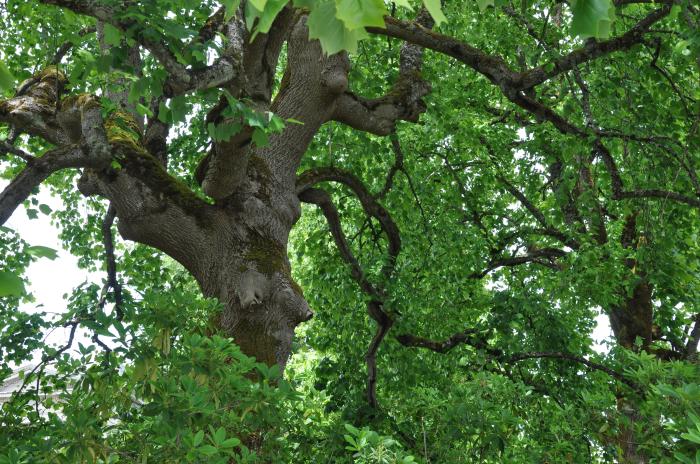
column 402, row 103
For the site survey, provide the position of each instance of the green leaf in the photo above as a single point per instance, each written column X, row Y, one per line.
column 178, row 106
column 143, row 110
column 198, row 437
column 433, row 7
column 231, row 7
column 268, row 15
column 230, row 442
column 164, row 113
column 483, row 4
column 592, row 18
column 10, row 284
column 404, row 3
column 42, row 252
column 219, row 435
column 330, row 31
column 361, row 13
column 260, row 138
column 46, row 209
column 207, row 450
column 258, row 4
column 112, row 35
column 7, row 80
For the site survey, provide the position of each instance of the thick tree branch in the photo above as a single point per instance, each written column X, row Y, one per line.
column 497, row 70
column 37, row 171
column 402, row 103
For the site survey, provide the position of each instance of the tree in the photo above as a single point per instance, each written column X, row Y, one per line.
column 534, row 178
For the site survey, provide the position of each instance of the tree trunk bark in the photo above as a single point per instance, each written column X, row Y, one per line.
column 632, row 325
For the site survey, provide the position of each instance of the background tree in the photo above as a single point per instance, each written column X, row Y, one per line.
column 495, row 195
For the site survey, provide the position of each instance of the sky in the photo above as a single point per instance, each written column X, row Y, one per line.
column 50, row 280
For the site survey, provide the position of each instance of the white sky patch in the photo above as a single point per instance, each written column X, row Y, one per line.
column 49, row 280
column 602, row 334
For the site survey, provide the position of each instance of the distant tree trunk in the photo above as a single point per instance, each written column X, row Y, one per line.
column 632, row 323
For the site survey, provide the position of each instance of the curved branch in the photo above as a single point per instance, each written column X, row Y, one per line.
column 37, row 171
column 322, row 199
column 531, row 257
column 371, row 206
column 469, row 337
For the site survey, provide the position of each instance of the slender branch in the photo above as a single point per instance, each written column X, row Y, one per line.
column 396, row 167
column 384, row 323
column 469, row 337
column 67, row 45
column 619, row 191
column 577, row 359
column 181, row 79
column 372, row 208
column 6, row 147
column 39, row 368
column 532, row 257
column 111, row 262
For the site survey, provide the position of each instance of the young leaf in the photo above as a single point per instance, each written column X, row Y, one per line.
column 112, row 35
column 42, row 252
column 7, row 80
column 10, row 284
column 330, row 31
column 361, row 13
column 592, row 18
column 231, row 7
column 435, row 11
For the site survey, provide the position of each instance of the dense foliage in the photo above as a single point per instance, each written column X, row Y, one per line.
column 550, row 178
